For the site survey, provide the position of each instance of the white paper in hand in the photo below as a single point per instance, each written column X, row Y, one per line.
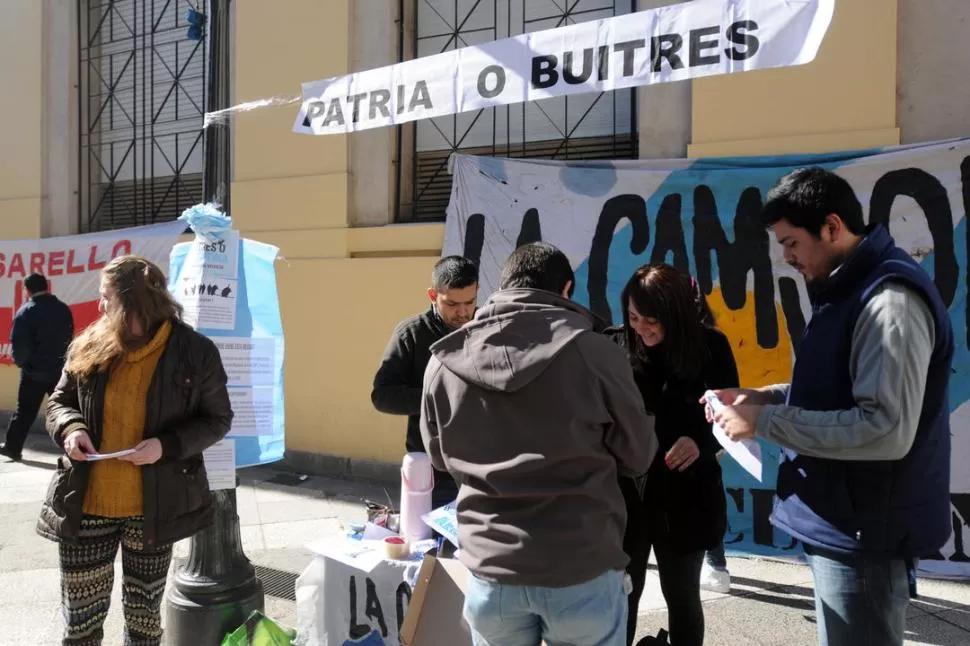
column 94, row 457
column 747, row 453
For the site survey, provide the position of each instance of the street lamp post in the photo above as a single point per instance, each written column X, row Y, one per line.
column 215, row 589
column 215, row 175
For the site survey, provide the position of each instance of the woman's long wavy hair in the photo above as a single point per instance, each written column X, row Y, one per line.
column 142, row 294
column 662, row 292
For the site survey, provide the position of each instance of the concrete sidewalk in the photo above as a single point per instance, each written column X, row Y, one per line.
column 771, row 602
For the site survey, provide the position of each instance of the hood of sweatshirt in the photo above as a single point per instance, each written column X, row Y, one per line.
column 513, row 338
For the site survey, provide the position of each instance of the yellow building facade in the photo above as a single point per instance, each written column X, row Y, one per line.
column 349, row 273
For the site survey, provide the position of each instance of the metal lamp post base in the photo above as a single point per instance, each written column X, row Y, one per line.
column 215, row 590
column 189, row 622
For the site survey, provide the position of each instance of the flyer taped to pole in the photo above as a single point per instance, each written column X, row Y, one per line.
column 227, row 287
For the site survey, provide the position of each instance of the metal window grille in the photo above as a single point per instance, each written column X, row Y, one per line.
column 140, row 112
column 587, row 126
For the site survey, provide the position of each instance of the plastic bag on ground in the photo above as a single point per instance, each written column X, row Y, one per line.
column 259, row 630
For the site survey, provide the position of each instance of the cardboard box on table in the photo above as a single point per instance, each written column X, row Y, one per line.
column 434, row 615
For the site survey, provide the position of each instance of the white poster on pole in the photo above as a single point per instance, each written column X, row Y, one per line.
column 220, row 464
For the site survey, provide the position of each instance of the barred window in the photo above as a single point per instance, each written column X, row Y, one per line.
column 585, row 126
column 140, row 111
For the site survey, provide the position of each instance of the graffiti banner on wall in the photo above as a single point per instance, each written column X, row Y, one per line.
column 702, row 217
column 72, row 265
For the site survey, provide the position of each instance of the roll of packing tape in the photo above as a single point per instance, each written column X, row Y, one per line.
column 397, row 548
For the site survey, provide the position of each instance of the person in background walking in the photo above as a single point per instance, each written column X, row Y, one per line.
column 397, row 384
column 715, row 576
column 864, row 425
column 681, row 511
column 42, row 330
column 138, row 378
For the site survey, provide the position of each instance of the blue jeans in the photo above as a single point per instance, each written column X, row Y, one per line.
column 860, row 600
column 589, row 614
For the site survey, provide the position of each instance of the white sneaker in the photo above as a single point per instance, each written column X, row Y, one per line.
column 715, row 580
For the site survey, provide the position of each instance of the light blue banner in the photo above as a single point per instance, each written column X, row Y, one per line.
column 227, row 286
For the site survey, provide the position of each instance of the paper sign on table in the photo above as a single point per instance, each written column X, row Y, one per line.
column 746, row 452
column 444, row 520
column 374, row 532
column 359, row 554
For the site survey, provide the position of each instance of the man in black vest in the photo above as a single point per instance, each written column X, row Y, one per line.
column 864, row 425
column 42, row 330
column 398, row 382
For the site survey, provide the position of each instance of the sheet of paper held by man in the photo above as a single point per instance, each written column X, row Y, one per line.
column 747, row 453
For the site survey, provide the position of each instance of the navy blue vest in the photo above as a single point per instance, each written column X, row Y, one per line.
column 896, row 508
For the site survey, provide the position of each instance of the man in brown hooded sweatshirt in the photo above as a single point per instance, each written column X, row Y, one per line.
column 535, row 415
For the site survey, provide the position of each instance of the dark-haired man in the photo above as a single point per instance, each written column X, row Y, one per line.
column 397, row 384
column 864, row 480
column 42, row 331
column 536, row 415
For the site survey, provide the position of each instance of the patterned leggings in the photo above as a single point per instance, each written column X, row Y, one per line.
column 87, row 576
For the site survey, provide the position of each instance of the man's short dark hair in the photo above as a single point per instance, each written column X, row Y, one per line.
column 35, row 284
column 453, row 272
column 538, row 265
column 806, row 196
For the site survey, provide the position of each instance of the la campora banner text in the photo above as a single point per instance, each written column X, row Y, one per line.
column 703, row 217
column 73, row 267
column 674, row 43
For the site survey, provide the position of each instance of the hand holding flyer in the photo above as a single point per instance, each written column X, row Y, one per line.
column 747, row 453
column 94, row 457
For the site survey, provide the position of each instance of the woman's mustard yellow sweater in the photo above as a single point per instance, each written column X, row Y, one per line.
column 115, row 487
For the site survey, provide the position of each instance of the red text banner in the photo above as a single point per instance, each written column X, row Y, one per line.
column 73, row 267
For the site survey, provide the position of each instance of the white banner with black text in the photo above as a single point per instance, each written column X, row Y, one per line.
column 673, row 43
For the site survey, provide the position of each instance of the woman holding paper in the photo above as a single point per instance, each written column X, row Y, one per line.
column 679, row 512
column 137, row 378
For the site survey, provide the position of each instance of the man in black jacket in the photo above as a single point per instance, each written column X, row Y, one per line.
column 397, row 384
column 42, row 330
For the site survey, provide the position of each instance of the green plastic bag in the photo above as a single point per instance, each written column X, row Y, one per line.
column 259, row 630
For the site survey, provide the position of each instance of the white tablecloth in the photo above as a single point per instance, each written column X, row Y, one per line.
column 338, row 604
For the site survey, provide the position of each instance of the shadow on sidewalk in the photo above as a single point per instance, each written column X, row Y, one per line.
column 39, row 441
column 280, row 478
column 803, row 597
column 50, row 466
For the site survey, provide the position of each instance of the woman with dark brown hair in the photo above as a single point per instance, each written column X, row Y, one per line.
column 680, row 511
column 137, row 378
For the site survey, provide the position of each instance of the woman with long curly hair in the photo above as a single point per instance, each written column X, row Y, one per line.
column 680, row 512
column 138, row 378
